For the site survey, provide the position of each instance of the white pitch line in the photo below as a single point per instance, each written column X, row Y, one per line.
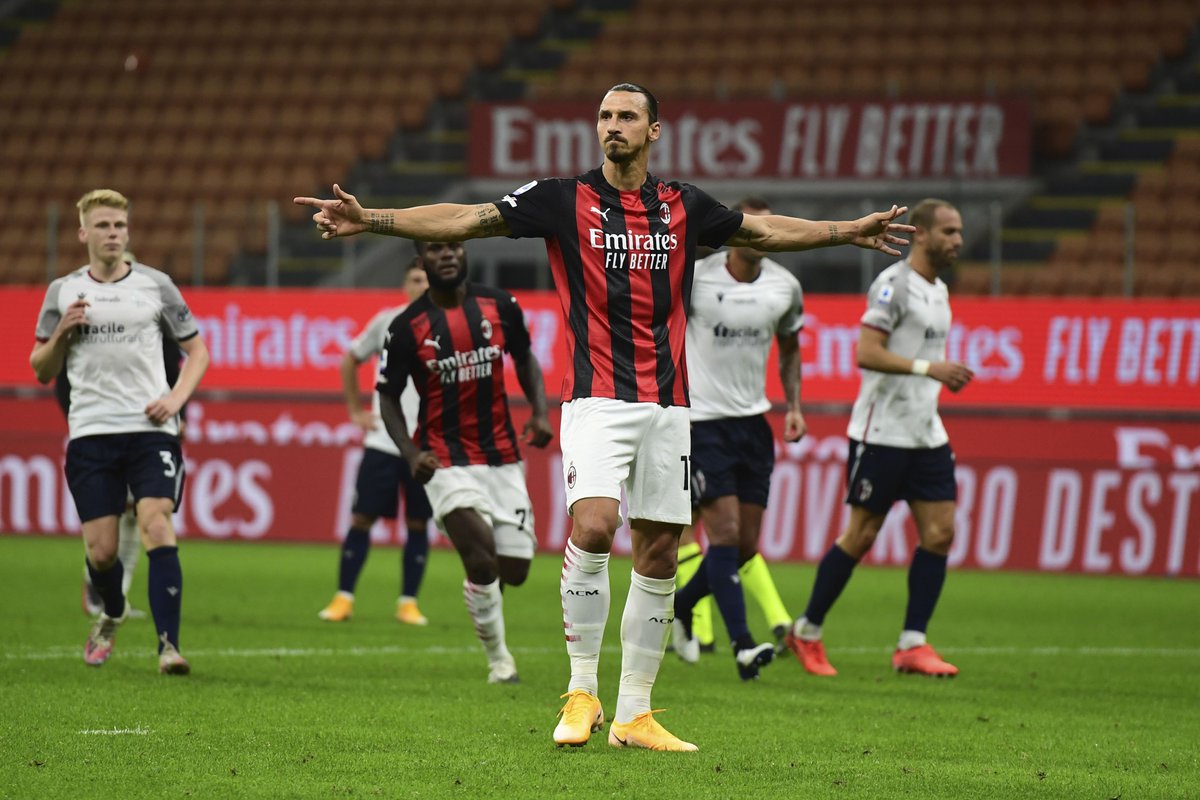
column 60, row 653
column 138, row 731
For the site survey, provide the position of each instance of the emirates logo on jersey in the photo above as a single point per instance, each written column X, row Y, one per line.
column 634, row 251
column 471, row 365
column 571, row 477
column 664, row 213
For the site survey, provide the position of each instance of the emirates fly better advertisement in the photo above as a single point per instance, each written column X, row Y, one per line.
column 271, row 455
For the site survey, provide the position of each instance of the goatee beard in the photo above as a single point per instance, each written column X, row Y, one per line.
column 444, row 284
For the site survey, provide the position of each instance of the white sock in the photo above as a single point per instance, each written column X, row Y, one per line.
column 348, row 595
column 645, row 625
column 129, row 547
column 585, row 600
column 803, row 629
column 485, row 604
column 911, row 639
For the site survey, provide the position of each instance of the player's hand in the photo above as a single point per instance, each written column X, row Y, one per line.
column 951, row 373
column 341, row 216
column 160, row 410
column 794, row 426
column 73, row 319
column 425, row 464
column 364, row 419
column 537, row 432
column 877, row 231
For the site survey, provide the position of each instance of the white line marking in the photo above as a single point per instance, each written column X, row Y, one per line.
column 138, row 731
column 58, row 653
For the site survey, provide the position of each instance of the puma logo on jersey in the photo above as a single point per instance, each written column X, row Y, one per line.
column 435, row 342
column 603, row 214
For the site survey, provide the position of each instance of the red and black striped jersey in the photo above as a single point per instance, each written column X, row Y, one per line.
column 622, row 265
column 455, row 358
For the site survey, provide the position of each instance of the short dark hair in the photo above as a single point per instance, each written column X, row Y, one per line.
column 921, row 215
column 752, row 203
column 651, row 100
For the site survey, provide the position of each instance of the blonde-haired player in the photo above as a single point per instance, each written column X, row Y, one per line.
column 105, row 322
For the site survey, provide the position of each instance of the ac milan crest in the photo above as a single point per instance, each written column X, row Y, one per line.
column 664, row 213
column 571, row 477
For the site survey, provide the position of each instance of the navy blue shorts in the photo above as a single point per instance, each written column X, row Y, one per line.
column 102, row 470
column 877, row 475
column 732, row 457
column 377, row 488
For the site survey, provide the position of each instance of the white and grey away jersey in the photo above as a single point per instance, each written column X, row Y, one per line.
column 116, row 365
column 369, row 344
column 730, row 329
column 902, row 410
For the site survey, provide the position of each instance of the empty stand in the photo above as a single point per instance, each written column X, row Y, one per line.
column 232, row 104
column 1071, row 58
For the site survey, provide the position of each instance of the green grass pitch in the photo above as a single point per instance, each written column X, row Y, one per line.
column 1071, row 687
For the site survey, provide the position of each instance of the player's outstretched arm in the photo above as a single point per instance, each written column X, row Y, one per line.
column 444, row 222
column 777, row 233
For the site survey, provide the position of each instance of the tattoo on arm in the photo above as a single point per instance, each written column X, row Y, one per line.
column 743, row 237
column 489, row 219
column 380, row 223
column 834, row 236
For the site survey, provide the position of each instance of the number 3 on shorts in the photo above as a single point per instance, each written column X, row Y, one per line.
column 168, row 459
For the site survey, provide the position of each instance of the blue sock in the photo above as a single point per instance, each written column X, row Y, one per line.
column 692, row 592
column 926, row 576
column 354, row 555
column 108, row 585
column 166, row 593
column 416, row 550
column 721, row 564
column 833, row 574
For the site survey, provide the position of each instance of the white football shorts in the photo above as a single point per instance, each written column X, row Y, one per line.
column 645, row 447
column 498, row 493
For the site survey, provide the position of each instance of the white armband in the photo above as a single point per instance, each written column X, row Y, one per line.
column 920, row 366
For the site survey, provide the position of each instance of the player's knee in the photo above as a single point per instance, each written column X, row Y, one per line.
column 480, row 565
column 722, row 532
column 592, row 529
column 158, row 531
column 938, row 539
column 514, row 571
column 102, row 556
column 857, row 541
